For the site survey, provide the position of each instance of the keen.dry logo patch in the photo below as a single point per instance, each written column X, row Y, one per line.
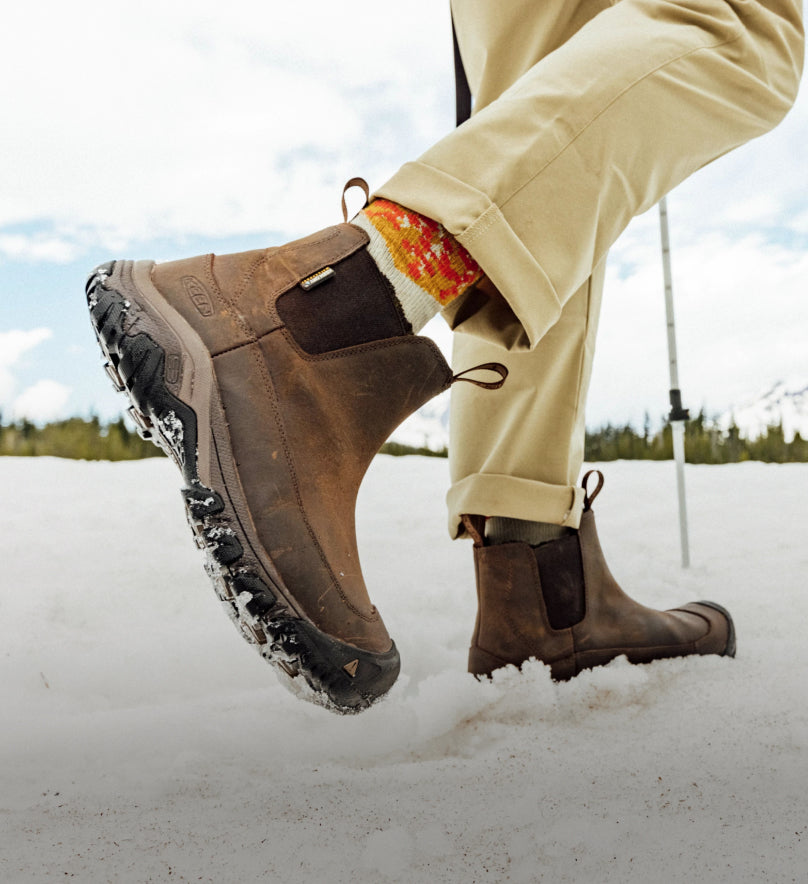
column 199, row 295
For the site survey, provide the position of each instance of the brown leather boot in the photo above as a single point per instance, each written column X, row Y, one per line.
column 559, row 603
column 272, row 377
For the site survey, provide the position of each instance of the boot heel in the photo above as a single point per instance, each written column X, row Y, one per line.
column 482, row 664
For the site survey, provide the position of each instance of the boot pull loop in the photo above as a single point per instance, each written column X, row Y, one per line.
column 354, row 182
column 497, row 367
column 589, row 498
column 475, row 528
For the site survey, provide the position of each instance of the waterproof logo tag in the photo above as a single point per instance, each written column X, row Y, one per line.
column 317, row 278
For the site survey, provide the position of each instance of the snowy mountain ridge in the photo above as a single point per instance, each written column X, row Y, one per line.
column 785, row 401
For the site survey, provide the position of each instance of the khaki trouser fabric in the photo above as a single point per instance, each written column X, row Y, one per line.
column 586, row 114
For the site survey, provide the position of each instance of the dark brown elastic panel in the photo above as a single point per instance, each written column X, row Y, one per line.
column 561, row 572
column 355, row 306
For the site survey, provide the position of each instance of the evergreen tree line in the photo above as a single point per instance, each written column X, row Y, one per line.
column 90, row 439
column 704, row 443
column 75, row 438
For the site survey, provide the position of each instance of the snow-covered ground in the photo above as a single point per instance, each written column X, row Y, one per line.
column 143, row 740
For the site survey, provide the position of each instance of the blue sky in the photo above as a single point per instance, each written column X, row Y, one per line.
column 162, row 133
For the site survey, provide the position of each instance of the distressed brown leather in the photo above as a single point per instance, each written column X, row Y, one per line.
column 513, row 625
column 242, row 289
column 303, row 428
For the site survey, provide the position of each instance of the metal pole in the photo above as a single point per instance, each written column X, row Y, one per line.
column 678, row 415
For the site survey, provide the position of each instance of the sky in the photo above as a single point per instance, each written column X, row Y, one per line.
column 163, row 129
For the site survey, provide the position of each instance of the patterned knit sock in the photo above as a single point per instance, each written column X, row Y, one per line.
column 426, row 265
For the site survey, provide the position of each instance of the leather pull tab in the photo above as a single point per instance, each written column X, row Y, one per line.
column 354, row 182
column 589, row 498
column 475, row 528
column 496, row 367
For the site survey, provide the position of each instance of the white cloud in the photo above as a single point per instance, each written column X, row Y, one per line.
column 43, row 401
column 37, row 247
column 13, row 345
column 233, row 118
column 242, row 117
column 741, row 316
column 221, row 119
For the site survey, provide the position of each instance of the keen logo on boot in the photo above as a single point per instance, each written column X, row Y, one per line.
column 199, row 295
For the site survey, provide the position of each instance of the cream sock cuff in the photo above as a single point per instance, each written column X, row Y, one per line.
column 418, row 306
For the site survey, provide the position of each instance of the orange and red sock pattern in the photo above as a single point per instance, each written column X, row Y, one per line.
column 424, row 251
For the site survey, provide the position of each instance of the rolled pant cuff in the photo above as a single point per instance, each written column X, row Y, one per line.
column 531, row 305
column 484, row 494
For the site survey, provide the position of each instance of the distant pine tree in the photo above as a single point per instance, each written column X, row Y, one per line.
column 798, row 449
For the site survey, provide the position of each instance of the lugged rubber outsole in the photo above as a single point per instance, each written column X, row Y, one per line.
column 134, row 340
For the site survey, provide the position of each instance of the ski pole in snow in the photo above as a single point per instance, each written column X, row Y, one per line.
column 678, row 415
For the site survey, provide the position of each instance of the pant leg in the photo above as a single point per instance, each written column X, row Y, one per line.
column 519, row 453
column 501, row 40
column 538, row 184
column 542, row 180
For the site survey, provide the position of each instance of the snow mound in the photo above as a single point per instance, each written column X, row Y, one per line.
column 143, row 740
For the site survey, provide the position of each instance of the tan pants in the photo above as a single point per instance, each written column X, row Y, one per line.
column 586, row 114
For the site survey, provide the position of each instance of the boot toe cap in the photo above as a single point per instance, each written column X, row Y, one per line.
column 720, row 636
